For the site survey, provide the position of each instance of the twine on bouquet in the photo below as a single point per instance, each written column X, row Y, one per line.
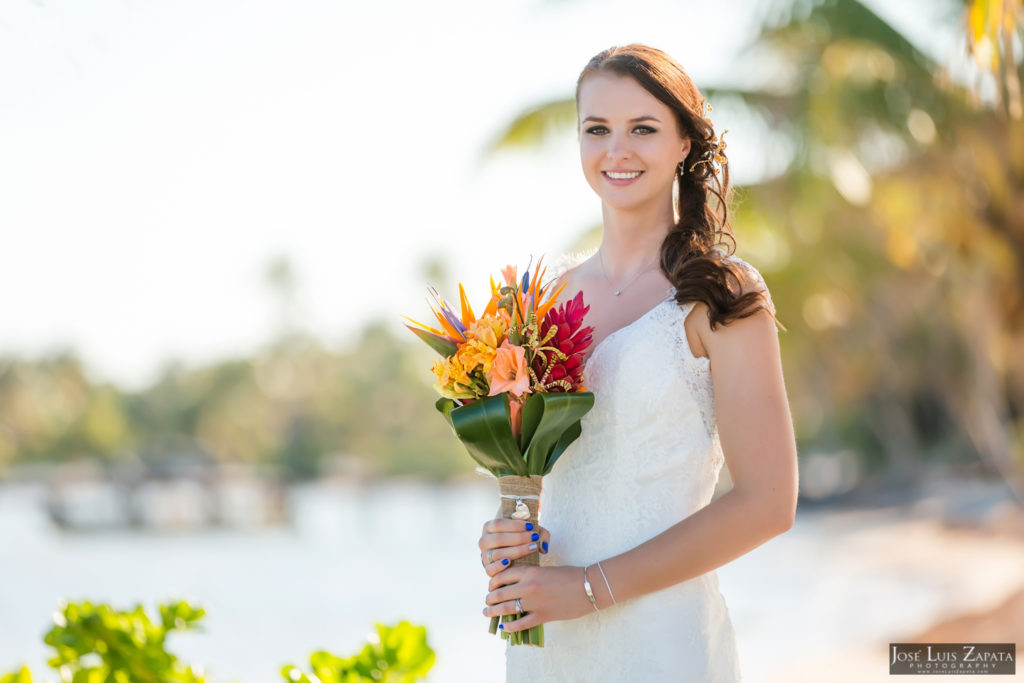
column 520, row 499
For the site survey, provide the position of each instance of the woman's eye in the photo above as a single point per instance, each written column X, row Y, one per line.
column 595, row 130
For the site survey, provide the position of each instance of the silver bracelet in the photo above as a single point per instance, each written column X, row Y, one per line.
column 606, row 582
column 586, row 587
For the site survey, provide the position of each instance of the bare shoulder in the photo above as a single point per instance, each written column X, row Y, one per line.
column 572, row 274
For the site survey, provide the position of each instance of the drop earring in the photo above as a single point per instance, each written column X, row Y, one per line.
column 676, row 186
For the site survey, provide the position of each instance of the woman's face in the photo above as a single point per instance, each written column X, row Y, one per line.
column 627, row 131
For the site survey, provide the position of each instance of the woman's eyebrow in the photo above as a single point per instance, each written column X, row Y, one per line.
column 636, row 120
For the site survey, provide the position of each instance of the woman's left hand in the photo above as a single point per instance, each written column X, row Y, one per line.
column 545, row 594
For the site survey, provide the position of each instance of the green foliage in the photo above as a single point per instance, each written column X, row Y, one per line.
column 550, row 423
column 98, row 644
column 992, row 27
column 296, row 406
column 399, row 654
column 22, row 675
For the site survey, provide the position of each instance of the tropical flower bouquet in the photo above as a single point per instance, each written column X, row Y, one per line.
column 511, row 385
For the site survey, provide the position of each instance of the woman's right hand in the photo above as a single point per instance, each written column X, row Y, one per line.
column 510, row 539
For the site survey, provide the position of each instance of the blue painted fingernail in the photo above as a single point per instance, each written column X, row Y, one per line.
column 529, row 526
column 505, row 561
column 535, row 536
column 501, row 626
column 544, row 545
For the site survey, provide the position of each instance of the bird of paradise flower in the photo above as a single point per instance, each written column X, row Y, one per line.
column 522, row 299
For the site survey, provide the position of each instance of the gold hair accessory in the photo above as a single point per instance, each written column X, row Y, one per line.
column 714, row 152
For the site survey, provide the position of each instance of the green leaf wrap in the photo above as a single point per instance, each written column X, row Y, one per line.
column 485, row 428
column 550, row 423
column 547, row 418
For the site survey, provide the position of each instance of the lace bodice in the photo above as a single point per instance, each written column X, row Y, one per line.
column 649, row 456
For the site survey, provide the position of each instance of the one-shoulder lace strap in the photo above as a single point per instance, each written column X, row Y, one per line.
column 758, row 279
column 565, row 262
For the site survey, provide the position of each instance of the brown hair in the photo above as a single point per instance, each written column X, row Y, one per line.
column 689, row 257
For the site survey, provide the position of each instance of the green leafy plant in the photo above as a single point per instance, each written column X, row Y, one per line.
column 398, row 654
column 95, row 643
column 22, row 675
column 99, row 644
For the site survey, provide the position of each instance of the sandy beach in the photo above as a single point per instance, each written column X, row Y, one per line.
column 963, row 546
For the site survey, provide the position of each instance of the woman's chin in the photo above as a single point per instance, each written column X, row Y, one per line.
column 623, row 202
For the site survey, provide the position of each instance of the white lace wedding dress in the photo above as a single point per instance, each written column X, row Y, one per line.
column 649, row 456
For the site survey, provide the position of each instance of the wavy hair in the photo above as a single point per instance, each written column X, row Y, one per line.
column 691, row 257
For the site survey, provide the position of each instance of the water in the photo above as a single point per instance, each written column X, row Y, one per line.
column 354, row 557
column 401, row 551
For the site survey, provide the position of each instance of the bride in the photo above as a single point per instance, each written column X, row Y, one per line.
column 630, row 538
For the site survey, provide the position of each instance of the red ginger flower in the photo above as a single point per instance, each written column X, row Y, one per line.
column 558, row 364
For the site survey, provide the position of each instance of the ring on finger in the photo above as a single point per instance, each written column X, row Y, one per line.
column 489, row 554
column 519, row 607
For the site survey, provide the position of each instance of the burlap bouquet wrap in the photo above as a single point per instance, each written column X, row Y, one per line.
column 525, row 490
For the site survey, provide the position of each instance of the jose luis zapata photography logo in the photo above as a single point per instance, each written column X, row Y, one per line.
column 952, row 658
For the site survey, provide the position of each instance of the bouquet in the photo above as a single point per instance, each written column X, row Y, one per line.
column 511, row 385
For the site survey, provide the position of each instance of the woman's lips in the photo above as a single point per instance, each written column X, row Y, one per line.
column 621, row 181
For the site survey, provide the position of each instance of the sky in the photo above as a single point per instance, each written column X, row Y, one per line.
column 155, row 158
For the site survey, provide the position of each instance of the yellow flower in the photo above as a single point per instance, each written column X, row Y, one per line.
column 476, row 354
column 490, row 329
column 440, row 369
column 452, row 378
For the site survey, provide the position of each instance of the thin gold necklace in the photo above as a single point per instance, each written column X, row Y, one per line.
column 639, row 273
